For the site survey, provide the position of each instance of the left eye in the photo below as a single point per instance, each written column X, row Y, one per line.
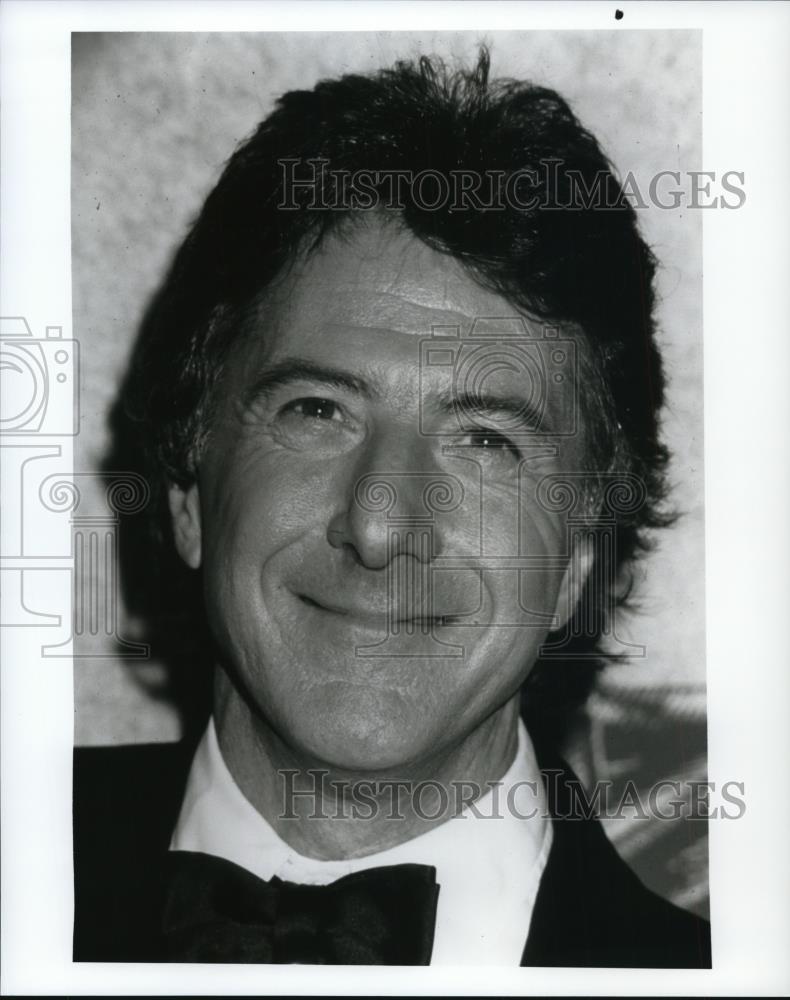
column 313, row 408
column 492, row 441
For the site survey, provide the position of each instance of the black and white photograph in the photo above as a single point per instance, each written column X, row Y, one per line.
column 363, row 506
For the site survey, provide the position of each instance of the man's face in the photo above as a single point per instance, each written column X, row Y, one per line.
column 355, row 528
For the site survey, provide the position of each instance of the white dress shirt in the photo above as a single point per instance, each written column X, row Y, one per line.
column 488, row 859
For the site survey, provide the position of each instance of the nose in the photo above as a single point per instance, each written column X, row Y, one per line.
column 388, row 509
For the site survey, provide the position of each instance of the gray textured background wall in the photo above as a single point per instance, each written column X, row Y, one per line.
column 154, row 118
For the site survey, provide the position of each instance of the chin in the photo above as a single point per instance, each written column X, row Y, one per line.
column 348, row 728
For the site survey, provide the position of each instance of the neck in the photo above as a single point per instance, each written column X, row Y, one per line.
column 327, row 813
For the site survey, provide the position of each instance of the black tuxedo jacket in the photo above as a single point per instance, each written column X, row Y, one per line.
column 591, row 910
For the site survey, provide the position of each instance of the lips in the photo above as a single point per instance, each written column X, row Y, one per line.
column 374, row 617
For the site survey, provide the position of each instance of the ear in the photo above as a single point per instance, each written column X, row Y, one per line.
column 576, row 573
column 185, row 515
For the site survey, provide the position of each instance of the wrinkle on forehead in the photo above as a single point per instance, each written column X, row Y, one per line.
column 378, row 274
column 364, row 300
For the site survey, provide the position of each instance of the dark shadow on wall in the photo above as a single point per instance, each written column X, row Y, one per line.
column 161, row 596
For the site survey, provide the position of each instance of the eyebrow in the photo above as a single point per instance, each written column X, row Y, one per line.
column 516, row 408
column 291, row 370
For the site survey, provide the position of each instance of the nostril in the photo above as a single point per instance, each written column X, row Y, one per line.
column 350, row 553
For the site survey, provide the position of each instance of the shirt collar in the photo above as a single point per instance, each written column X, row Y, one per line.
column 488, row 859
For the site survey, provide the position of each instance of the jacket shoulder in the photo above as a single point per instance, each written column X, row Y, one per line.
column 126, row 802
column 592, row 910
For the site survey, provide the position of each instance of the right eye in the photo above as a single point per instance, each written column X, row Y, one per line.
column 314, row 423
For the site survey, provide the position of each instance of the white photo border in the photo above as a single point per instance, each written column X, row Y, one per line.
column 746, row 101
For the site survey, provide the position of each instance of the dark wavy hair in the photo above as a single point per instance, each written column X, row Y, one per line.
column 554, row 255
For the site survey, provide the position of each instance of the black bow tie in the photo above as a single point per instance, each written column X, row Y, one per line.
column 215, row 911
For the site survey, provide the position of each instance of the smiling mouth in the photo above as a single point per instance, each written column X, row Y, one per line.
column 378, row 619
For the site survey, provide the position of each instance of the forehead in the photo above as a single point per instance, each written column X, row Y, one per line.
column 376, row 307
column 377, row 304
column 375, row 276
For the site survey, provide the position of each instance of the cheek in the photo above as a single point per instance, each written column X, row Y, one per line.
column 501, row 513
column 515, row 526
column 503, row 522
column 254, row 512
column 258, row 504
